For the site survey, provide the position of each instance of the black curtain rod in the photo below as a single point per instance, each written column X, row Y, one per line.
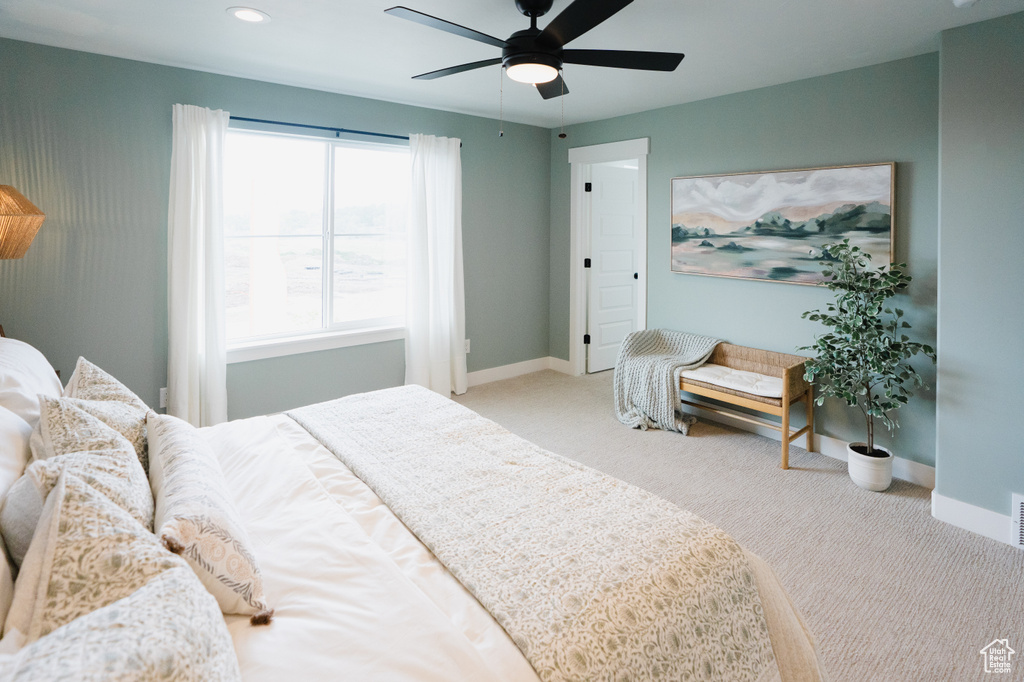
column 336, row 131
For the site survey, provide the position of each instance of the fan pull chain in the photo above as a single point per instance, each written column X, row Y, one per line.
column 501, row 102
column 561, row 85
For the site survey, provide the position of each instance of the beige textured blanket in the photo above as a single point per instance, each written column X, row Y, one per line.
column 594, row 579
column 647, row 370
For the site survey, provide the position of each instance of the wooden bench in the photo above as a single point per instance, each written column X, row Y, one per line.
column 788, row 368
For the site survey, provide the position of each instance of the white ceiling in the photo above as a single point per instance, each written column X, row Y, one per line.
column 352, row 47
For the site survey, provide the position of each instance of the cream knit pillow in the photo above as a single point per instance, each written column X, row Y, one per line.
column 196, row 517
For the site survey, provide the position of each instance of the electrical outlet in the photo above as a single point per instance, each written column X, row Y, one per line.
column 163, row 397
column 467, row 345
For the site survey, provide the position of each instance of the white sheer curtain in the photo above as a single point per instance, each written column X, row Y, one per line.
column 435, row 351
column 197, row 352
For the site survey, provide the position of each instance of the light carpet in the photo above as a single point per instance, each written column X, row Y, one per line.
column 890, row 592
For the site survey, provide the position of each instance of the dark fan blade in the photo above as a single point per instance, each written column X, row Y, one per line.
column 578, row 18
column 441, row 24
column 457, row 69
column 624, row 59
column 553, row 88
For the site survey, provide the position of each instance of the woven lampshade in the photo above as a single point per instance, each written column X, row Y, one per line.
column 19, row 222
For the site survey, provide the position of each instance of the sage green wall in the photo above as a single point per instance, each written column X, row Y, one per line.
column 981, row 246
column 881, row 113
column 87, row 138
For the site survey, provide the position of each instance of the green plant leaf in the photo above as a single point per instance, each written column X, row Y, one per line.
column 860, row 360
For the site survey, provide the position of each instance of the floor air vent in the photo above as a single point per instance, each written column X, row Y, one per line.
column 1017, row 516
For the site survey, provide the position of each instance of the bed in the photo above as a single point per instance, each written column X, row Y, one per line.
column 397, row 535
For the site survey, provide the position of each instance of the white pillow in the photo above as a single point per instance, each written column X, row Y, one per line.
column 6, row 590
column 196, row 518
column 14, row 454
column 24, row 375
column 14, row 450
column 19, row 515
column 26, row 588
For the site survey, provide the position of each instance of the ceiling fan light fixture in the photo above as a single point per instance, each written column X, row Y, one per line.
column 535, row 55
column 532, row 69
column 248, row 14
column 532, row 73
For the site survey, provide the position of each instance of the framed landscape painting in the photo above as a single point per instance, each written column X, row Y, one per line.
column 772, row 225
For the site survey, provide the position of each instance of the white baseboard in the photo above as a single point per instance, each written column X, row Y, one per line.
column 915, row 472
column 904, row 469
column 560, row 365
column 486, row 376
column 975, row 519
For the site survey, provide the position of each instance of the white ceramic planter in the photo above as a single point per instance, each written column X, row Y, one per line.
column 870, row 473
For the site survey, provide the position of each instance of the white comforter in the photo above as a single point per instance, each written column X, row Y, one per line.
column 357, row 596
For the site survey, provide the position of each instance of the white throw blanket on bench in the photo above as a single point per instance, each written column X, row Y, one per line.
column 593, row 578
column 647, row 377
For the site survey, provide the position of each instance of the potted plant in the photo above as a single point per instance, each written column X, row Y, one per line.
column 865, row 357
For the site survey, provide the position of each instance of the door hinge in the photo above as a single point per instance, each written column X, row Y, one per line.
column 586, row 187
column 586, row 262
column 586, row 339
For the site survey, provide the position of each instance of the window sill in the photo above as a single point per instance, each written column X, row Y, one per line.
column 308, row 343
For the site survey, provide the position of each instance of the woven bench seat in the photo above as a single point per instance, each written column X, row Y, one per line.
column 786, row 369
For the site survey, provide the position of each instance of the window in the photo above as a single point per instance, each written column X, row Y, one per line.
column 314, row 238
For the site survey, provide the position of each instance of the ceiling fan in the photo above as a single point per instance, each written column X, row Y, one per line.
column 536, row 56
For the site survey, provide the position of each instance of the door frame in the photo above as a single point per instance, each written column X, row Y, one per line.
column 580, row 159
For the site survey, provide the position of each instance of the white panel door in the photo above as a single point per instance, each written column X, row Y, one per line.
column 614, row 222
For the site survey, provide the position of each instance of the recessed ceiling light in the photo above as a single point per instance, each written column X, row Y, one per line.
column 253, row 16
